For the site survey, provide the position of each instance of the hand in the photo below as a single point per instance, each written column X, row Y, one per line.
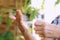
column 21, row 26
column 47, row 30
column 39, row 28
column 18, row 20
column 18, row 15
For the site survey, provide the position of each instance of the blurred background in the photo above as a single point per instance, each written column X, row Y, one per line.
column 32, row 10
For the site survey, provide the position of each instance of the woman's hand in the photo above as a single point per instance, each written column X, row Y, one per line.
column 39, row 28
column 47, row 30
column 21, row 26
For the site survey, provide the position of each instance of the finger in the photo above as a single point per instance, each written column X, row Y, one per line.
column 19, row 20
column 41, row 35
column 19, row 16
column 39, row 23
column 38, row 28
column 12, row 17
column 39, row 32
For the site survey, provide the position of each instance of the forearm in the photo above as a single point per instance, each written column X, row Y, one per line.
column 52, row 30
column 27, row 35
column 21, row 26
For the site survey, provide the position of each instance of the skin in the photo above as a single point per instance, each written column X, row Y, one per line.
column 40, row 28
column 47, row 30
column 25, row 31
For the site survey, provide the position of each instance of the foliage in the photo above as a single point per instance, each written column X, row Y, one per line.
column 9, row 22
column 1, row 37
column 57, row 2
column 42, row 6
column 8, row 35
column 27, row 9
column 0, row 19
column 27, row 2
column 32, row 13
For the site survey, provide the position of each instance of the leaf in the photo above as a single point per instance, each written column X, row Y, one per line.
column 8, row 35
column 0, row 19
column 26, row 6
column 1, row 37
column 33, row 14
column 9, row 22
column 57, row 2
column 27, row 9
column 28, row 2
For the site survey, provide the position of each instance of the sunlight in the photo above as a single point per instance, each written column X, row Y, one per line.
column 36, row 3
column 50, row 12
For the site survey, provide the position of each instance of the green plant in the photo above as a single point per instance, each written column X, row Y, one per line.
column 0, row 19
column 8, row 35
column 1, row 37
column 57, row 2
column 27, row 2
column 30, row 11
column 9, row 22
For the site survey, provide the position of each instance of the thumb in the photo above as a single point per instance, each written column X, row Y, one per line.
column 12, row 17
